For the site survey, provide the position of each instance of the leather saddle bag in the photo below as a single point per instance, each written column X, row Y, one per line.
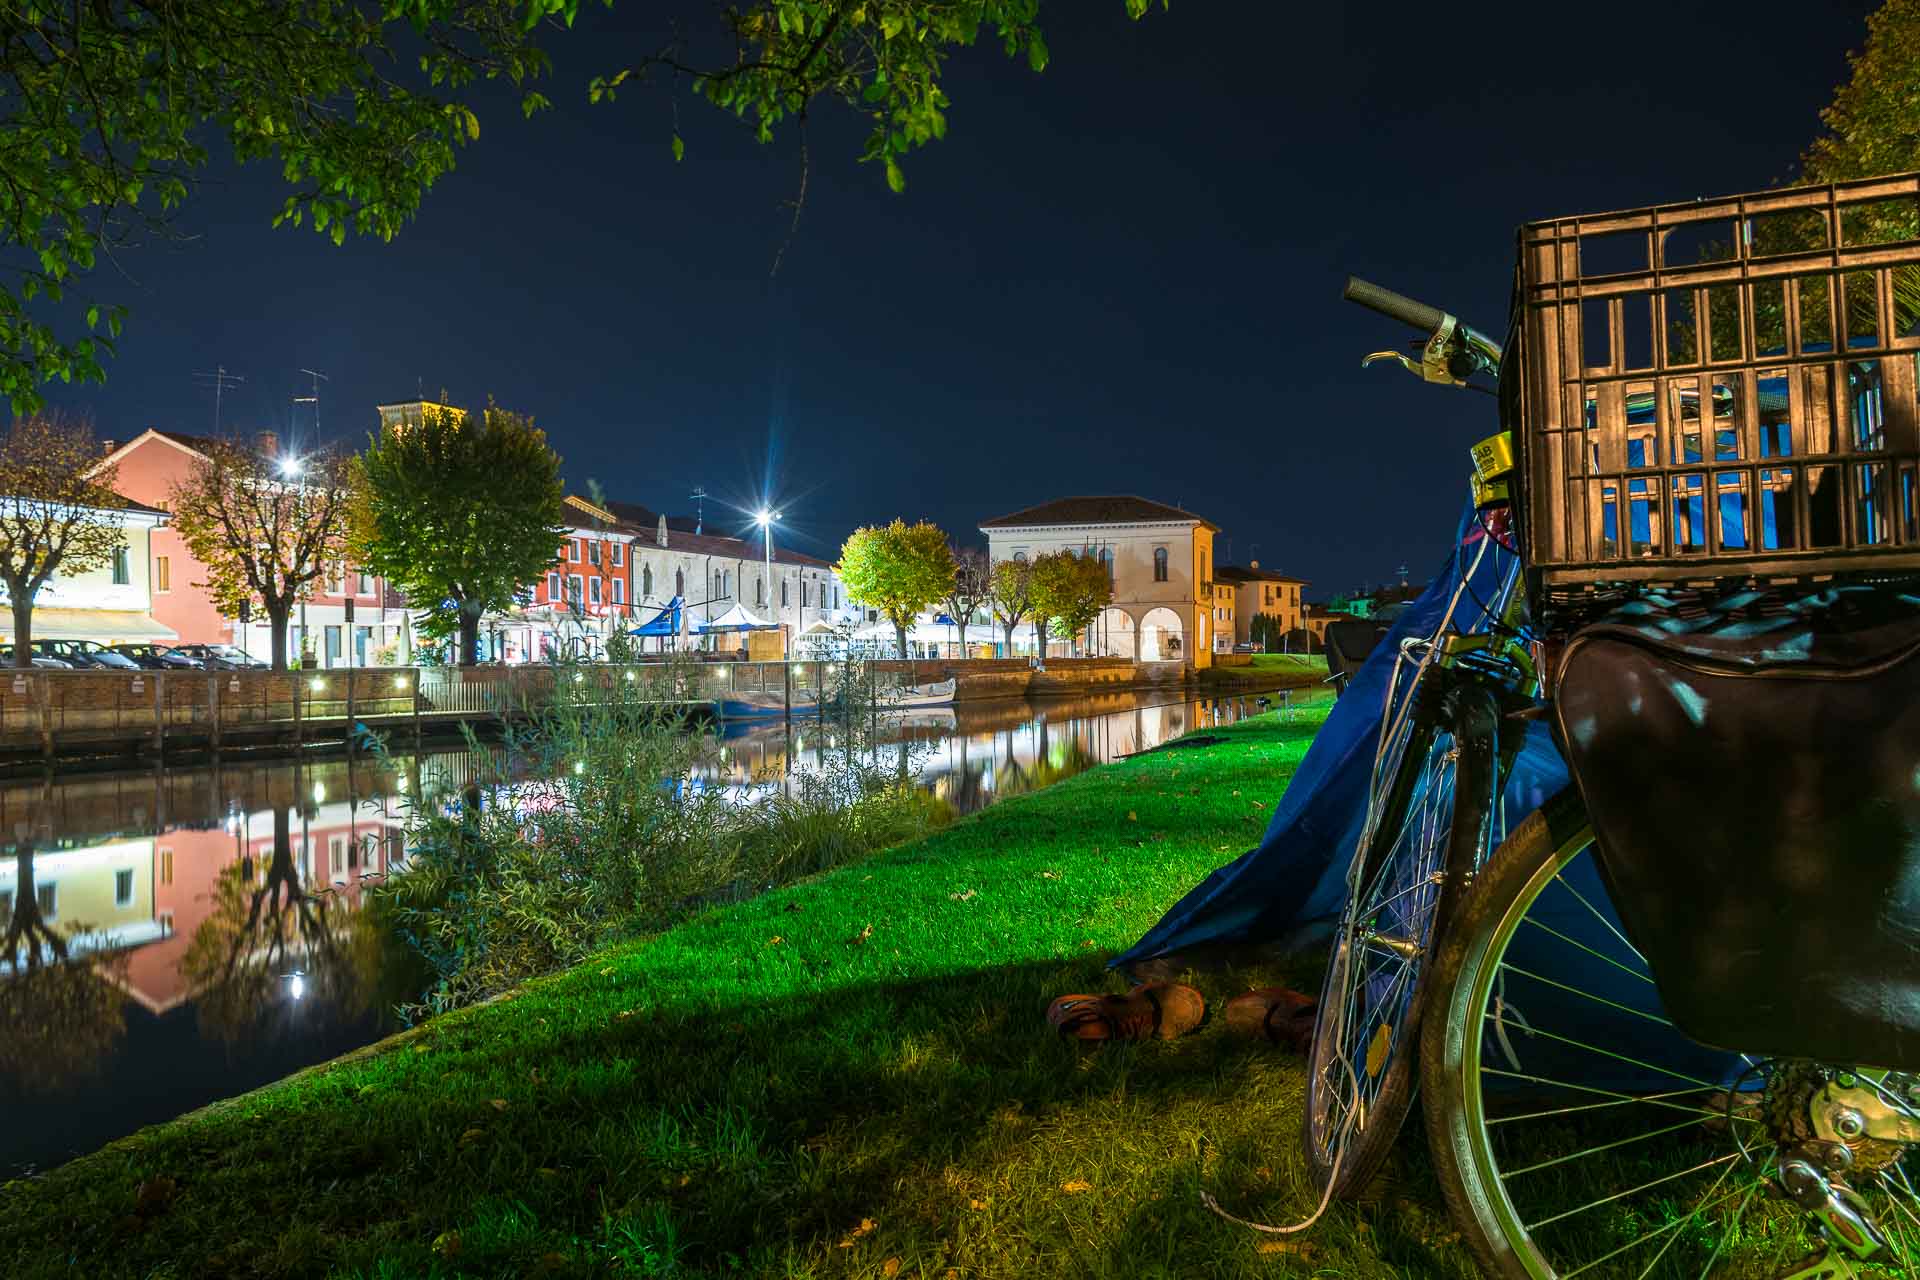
column 1756, row 801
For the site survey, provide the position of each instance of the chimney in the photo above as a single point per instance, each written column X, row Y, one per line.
column 267, row 443
column 660, row 534
column 108, row 446
column 1253, row 564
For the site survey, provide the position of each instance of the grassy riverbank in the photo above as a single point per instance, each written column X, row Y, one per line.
column 848, row 1076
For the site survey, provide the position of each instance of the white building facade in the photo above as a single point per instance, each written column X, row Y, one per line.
column 1160, row 559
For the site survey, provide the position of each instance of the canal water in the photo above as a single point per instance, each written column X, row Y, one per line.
column 187, row 901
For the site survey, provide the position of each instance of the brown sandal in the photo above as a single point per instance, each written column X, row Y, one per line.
column 1273, row 1014
column 1161, row 1010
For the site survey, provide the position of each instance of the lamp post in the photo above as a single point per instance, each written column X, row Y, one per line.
column 290, row 468
column 766, row 520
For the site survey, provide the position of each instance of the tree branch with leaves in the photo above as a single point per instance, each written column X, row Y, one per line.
column 56, row 513
column 1011, row 598
column 457, row 511
column 899, row 569
column 265, row 530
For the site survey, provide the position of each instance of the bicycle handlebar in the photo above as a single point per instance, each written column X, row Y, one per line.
column 1418, row 315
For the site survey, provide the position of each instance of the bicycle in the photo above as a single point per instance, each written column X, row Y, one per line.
column 1668, row 1025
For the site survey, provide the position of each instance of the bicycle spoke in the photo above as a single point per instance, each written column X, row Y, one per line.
column 1597, row 914
column 1605, row 1146
column 1605, row 1053
column 1720, row 1244
column 1616, row 1100
column 1621, row 1195
column 1585, row 995
column 1670, row 1231
column 1597, row 955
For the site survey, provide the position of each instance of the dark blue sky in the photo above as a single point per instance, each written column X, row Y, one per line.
column 1119, row 276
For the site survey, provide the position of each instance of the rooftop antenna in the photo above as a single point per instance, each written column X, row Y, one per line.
column 219, row 380
column 699, row 496
column 313, row 399
column 1403, row 577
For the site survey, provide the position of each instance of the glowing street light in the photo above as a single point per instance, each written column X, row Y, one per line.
column 291, row 467
column 766, row 519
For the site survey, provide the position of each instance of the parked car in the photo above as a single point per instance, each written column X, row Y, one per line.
column 219, row 657
column 86, row 655
column 1246, row 647
column 39, row 660
column 156, row 657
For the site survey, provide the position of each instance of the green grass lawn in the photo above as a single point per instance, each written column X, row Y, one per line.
column 846, row 1077
column 1270, row 669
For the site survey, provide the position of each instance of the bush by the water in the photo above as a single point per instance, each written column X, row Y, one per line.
column 600, row 814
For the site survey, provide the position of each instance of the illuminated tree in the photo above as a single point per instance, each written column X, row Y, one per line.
column 971, row 589
column 363, row 107
column 265, row 528
column 55, row 505
column 1069, row 591
column 458, row 510
column 898, row 569
column 1012, row 595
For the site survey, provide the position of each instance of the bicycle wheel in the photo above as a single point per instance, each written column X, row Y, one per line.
column 1576, row 1131
column 1431, row 829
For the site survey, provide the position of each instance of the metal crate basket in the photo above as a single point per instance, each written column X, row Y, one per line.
column 1722, row 390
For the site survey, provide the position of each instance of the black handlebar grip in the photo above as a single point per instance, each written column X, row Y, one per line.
column 1388, row 303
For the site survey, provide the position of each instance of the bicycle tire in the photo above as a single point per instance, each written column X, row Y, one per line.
column 1651, row 1176
column 1459, row 719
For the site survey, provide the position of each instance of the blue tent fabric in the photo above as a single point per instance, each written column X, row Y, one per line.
column 664, row 623
column 1291, row 886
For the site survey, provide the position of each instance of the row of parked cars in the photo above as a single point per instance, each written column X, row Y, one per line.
column 89, row 655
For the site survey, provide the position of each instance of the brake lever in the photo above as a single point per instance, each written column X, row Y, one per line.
column 1435, row 364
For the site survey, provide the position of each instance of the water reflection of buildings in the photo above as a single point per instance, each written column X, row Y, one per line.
column 132, row 864
column 968, row 754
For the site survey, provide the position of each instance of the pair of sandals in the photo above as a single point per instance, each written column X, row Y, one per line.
column 1167, row 1010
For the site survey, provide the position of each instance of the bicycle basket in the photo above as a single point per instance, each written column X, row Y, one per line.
column 1722, row 390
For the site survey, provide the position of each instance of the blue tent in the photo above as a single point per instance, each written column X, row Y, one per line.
column 664, row 623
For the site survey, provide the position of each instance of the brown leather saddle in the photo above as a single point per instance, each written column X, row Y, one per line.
column 1756, row 800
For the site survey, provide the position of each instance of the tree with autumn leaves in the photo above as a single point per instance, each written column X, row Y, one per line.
column 1068, row 593
column 55, row 504
column 899, row 569
column 265, row 528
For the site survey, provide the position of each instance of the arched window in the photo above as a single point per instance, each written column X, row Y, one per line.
column 680, row 583
column 646, row 581
column 1159, row 564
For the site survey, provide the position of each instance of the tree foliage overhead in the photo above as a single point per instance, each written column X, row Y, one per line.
column 1872, row 124
column 263, row 534
column 112, row 106
column 457, row 510
column 55, row 504
column 898, row 569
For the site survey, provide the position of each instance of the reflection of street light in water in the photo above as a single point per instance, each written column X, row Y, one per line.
column 297, row 985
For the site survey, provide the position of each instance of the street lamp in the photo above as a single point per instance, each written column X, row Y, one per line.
column 766, row 520
column 291, row 467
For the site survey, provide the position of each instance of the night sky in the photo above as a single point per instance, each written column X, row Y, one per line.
column 1121, row 275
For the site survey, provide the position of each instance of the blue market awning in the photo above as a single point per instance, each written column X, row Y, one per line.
column 664, row 623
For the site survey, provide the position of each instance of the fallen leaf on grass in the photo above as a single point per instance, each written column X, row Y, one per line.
column 864, row 1229
column 860, row 938
column 1298, row 1248
column 976, row 1204
column 962, row 897
column 1049, row 875
column 499, row 1104
column 624, row 1013
column 775, row 940
column 472, row 1135
column 890, row 1268
column 1075, row 1187
column 447, row 1244
column 1132, row 816
column 608, row 971
column 366, row 1089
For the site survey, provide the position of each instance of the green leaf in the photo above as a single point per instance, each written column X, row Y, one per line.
column 679, row 149
column 895, row 179
column 1037, row 52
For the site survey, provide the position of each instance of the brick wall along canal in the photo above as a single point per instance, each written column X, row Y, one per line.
column 176, row 991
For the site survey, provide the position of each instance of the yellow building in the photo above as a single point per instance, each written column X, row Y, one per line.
column 112, row 603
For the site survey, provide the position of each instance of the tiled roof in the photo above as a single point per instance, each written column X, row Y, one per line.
column 1241, row 573
column 1111, row 509
column 646, row 523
